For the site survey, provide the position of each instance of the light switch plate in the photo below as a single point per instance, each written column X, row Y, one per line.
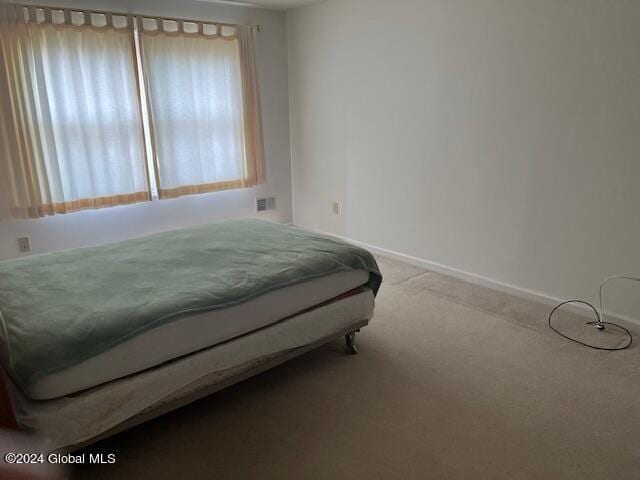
column 24, row 244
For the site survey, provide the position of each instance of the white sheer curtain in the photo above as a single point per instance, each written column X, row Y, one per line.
column 71, row 118
column 76, row 90
column 204, row 132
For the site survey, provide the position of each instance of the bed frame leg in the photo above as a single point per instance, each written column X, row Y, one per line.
column 350, row 340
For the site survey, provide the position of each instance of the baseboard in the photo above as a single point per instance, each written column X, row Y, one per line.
column 476, row 279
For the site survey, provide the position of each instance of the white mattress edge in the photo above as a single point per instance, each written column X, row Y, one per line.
column 193, row 333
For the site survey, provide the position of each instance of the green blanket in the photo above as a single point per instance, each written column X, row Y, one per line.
column 60, row 309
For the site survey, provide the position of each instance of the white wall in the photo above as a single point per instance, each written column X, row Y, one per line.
column 107, row 225
column 497, row 137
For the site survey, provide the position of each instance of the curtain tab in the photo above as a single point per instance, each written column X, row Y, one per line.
column 32, row 15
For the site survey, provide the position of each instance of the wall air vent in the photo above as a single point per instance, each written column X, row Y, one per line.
column 264, row 204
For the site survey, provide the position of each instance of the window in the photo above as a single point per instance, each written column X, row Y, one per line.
column 101, row 109
column 195, row 95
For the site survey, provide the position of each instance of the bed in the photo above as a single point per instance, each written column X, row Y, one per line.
column 114, row 335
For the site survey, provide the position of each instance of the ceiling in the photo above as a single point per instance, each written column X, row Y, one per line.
column 274, row 4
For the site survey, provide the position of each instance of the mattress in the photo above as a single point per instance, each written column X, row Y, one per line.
column 61, row 309
column 100, row 409
column 189, row 334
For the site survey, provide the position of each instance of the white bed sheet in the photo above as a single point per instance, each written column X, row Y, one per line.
column 70, row 420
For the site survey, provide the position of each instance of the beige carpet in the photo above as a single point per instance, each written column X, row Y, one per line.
column 453, row 381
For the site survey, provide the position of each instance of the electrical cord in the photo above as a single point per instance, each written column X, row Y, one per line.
column 599, row 323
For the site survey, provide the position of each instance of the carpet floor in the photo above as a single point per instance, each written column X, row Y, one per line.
column 453, row 381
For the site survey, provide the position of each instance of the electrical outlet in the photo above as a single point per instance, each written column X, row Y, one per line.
column 24, row 244
column 336, row 208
